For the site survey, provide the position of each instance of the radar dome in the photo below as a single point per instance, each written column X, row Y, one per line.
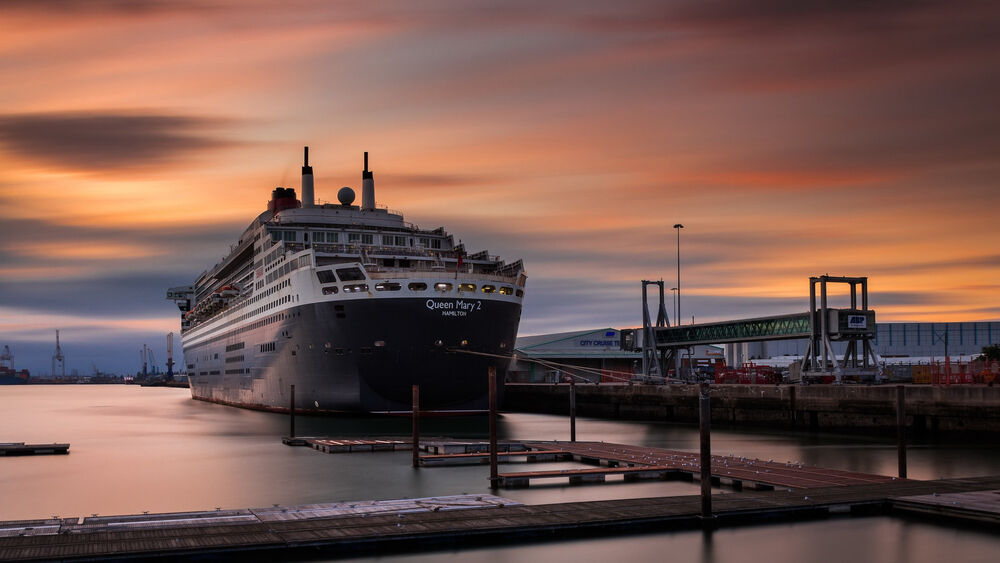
column 345, row 196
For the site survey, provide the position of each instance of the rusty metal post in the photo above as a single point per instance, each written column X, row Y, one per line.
column 901, row 429
column 494, row 474
column 291, row 413
column 416, row 426
column 705, row 427
column 572, row 410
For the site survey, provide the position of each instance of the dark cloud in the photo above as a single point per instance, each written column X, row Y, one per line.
column 969, row 262
column 125, row 296
column 98, row 141
column 554, row 304
column 124, row 7
column 907, row 298
column 436, row 180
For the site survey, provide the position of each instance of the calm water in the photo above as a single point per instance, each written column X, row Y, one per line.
column 154, row 449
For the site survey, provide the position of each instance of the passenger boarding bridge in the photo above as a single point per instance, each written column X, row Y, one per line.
column 661, row 344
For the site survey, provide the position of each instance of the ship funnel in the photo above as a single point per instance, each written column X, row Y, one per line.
column 307, row 182
column 367, row 188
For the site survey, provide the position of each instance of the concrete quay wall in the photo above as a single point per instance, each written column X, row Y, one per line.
column 965, row 409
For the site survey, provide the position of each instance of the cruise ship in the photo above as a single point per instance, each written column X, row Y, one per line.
column 352, row 305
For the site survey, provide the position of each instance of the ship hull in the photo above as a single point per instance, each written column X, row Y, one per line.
column 361, row 355
column 18, row 379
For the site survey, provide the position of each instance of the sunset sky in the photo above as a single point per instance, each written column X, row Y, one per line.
column 791, row 138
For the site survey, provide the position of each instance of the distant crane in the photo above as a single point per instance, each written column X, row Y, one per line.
column 170, row 356
column 142, row 358
column 7, row 358
column 58, row 358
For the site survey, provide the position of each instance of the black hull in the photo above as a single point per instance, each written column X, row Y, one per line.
column 12, row 380
column 361, row 355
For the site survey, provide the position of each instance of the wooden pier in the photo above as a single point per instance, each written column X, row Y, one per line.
column 732, row 471
column 479, row 458
column 631, row 463
column 20, row 448
column 295, row 532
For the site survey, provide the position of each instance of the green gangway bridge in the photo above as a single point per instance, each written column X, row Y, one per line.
column 745, row 330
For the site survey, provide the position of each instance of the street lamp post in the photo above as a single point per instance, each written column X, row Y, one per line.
column 674, row 297
column 677, row 315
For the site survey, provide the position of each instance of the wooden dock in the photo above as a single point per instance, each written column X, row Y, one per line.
column 297, row 533
column 479, row 458
column 20, row 448
column 975, row 506
column 348, row 445
column 733, row 471
column 631, row 463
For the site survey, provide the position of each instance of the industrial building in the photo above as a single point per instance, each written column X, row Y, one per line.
column 595, row 355
column 894, row 342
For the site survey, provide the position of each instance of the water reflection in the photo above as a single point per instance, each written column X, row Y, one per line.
column 148, row 449
column 858, row 540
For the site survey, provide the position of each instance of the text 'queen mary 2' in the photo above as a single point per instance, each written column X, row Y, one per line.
column 352, row 306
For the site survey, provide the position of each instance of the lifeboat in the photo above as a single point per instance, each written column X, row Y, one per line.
column 228, row 291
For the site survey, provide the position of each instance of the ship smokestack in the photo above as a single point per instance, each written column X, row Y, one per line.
column 367, row 188
column 307, row 182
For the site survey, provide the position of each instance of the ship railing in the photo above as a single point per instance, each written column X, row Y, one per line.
column 387, row 274
column 378, row 251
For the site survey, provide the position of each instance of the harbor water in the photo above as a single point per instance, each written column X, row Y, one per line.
column 137, row 450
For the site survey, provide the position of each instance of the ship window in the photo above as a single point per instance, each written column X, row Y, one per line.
column 358, row 287
column 417, row 286
column 367, row 239
column 425, row 242
column 466, row 287
column 388, row 286
column 329, row 290
column 289, row 236
column 275, row 236
column 506, row 290
column 353, row 237
column 488, row 289
column 400, row 241
column 520, row 293
column 442, row 286
column 350, row 274
column 436, row 243
column 387, row 240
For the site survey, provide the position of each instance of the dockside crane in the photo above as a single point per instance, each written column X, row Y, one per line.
column 58, row 358
column 7, row 358
column 170, row 356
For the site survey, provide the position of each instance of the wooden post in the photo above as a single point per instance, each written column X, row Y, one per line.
column 291, row 413
column 791, row 403
column 416, row 426
column 494, row 474
column 704, row 419
column 901, row 429
column 572, row 410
